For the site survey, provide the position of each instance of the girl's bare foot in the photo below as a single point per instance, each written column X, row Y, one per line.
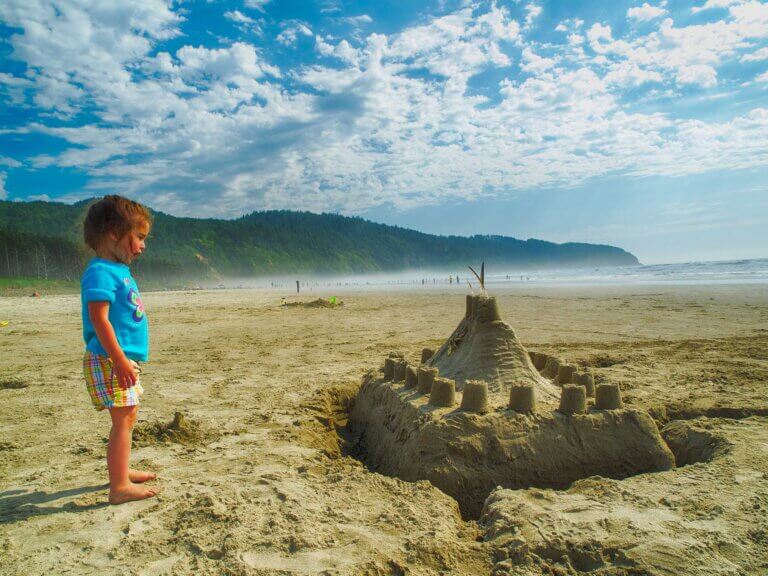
column 131, row 492
column 139, row 476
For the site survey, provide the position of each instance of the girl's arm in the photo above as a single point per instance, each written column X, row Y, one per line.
column 123, row 367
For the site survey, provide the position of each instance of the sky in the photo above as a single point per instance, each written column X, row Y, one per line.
column 637, row 124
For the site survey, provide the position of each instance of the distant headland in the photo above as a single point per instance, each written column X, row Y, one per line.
column 43, row 239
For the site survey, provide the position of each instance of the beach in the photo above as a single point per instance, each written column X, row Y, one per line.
column 258, row 479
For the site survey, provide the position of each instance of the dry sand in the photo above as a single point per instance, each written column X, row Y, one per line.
column 255, row 482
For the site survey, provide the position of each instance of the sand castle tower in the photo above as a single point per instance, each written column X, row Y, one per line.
column 484, row 347
column 483, row 412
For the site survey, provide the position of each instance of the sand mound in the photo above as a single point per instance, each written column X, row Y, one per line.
column 13, row 384
column 319, row 303
column 180, row 430
column 654, row 524
column 550, row 439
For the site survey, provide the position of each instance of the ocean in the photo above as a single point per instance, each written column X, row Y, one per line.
column 717, row 272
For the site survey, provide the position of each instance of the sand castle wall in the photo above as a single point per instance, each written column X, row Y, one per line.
column 467, row 455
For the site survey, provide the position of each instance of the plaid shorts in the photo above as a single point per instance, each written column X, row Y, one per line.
column 102, row 384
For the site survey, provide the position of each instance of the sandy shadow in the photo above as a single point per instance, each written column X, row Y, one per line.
column 16, row 505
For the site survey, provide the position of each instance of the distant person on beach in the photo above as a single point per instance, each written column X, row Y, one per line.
column 116, row 333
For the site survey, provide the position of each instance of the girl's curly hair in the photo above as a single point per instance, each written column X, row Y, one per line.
column 112, row 214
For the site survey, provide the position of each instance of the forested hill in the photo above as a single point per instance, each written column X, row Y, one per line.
column 44, row 238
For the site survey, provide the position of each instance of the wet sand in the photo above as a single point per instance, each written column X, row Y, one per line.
column 260, row 484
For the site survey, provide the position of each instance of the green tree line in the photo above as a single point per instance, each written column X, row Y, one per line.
column 46, row 238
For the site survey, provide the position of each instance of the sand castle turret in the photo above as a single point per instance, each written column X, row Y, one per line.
column 426, row 377
column 443, row 393
column 400, row 367
column 475, row 397
column 585, row 379
column 389, row 368
column 522, row 398
column 411, row 377
column 608, row 397
column 564, row 374
column 573, row 399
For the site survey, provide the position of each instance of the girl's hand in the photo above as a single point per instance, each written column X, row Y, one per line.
column 125, row 371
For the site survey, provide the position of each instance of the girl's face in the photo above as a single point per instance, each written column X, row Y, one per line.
column 131, row 245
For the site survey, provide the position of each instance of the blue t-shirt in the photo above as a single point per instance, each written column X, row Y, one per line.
column 106, row 281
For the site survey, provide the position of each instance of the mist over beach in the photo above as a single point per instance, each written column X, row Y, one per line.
column 688, row 273
column 452, row 287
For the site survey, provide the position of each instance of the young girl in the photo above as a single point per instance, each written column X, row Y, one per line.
column 116, row 332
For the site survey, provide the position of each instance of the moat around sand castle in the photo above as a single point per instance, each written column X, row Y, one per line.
column 483, row 412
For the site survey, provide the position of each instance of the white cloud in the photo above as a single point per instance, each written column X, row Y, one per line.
column 630, row 75
column 237, row 16
column 684, row 55
column 534, row 63
column 457, row 45
column 600, row 37
column 385, row 119
column 360, row 20
column 343, row 50
column 645, row 13
column 570, row 25
column 3, row 191
column 756, row 56
column 292, row 31
column 712, row 4
column 532, row 11
column 90, row 43
column 233, row 64
column 10, row 162
column 699, row 74
column 243, row 22
column 760, row 78
column 257, row 4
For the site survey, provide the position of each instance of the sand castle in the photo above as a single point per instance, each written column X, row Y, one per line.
column 483, row 412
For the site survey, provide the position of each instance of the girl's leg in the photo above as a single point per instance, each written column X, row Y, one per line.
column 121, row 489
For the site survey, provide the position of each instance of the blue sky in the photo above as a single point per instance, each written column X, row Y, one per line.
column 639, row 124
